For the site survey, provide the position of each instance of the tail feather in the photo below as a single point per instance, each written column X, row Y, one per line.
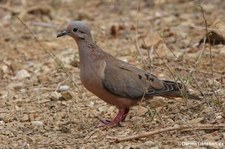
column 174, row 89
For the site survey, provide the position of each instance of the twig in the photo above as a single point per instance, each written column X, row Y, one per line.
column 162, row 130
column 60, row 83
column 210, row 50
column 200, row 55
column 209, row 28
column 43, row 24
column 206, row 31
column 136, row 37
column 169, row 48
column 218, row 73
column 52, row 55
column 175, row 77
column 183, row 91
column 8, row 8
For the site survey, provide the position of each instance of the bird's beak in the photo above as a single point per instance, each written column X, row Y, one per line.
column 63, row 33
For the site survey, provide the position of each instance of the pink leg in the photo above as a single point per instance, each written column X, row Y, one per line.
column 120, row 117
column 125, row 114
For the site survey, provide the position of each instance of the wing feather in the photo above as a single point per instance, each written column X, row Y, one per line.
column 128, row 81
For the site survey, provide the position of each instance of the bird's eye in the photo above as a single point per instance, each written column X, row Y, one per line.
column 75, row 29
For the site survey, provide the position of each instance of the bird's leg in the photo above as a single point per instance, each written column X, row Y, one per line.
column 126, row 111
column 121, row 116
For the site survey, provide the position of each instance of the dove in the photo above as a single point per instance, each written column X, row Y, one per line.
column 114, row 81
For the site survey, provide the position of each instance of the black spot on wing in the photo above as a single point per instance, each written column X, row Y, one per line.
column 147, row 76
column 139, row 76
column 124, row 68
column 152, row 79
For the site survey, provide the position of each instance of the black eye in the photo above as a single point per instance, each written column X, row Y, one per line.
column 75, row 29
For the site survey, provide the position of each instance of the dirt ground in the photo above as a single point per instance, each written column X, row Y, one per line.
column 160, row 36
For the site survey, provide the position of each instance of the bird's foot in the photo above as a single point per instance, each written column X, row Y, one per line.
column 107, row 123
column 122, row 114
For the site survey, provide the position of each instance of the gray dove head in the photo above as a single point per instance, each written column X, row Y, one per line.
column 78, row 30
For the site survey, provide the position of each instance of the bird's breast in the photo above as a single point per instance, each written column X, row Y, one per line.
column 91, row 76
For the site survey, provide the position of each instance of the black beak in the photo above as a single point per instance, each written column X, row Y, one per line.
column 63, row 33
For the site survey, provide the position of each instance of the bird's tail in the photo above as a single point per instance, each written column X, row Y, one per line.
column 175, row 89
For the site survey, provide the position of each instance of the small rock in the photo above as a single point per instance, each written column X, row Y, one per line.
column 63, row 88
column 170, row 121
column 55, row 96
column 43, row 78
column 158, row 14
column 2, row 123
column 15, row 66
column 37, row 123
column 22, row 74
column 219, row 117
column 102, row 109
column 5, row 69
column 90, row 104
column 25, row 118
column 66, row 96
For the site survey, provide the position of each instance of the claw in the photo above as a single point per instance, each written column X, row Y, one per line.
column 120, row 117
column 106, row 122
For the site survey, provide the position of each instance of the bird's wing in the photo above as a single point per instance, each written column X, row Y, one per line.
column 128, row 81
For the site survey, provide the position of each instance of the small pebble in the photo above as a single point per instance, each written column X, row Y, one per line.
column 66, row 96
column 2, row 122
column 55, row 96
column 37, row 123
column 63, row 88
column 22, row 74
